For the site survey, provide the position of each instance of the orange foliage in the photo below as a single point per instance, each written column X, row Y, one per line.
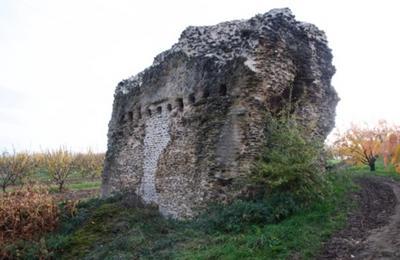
column 363, row 145
column 359, row 145
column 26, row 214
column 391, row 148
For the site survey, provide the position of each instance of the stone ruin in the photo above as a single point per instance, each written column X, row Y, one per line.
column 187, row 130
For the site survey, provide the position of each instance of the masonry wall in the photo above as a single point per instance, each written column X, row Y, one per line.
column 187, row 131
column 156, row 140
column 184, row 145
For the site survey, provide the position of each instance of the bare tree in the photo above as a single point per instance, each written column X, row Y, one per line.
column 59, row 165
column 13, row 168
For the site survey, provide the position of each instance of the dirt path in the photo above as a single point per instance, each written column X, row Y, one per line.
column 373, row 231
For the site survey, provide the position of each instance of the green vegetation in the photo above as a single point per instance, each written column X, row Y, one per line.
column 77, row 186
column 299, row 209
column 380, row 170
column 267, row 229
column 291, row 161
column 85, row 185
column 300, row 234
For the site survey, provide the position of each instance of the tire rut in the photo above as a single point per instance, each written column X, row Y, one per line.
column 373, row 230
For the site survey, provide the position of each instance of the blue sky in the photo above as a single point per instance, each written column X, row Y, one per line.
column 61, row 60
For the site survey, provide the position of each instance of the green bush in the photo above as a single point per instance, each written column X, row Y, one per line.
column 291, row 171
column 234, row 217
column 291, row 161
column 241, row 215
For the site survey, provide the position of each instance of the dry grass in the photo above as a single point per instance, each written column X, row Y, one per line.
column 27, row 213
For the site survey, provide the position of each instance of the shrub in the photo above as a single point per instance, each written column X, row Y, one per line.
column 242, row 214
column 234, row 217
column 291, row 161
column 27, row 214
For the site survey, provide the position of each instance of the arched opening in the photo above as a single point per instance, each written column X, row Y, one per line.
column 159, row 110
column 222, row 90
column 139, row 112
column 179, row 101
column 192, row 99
column 149, row 112
column 169, row 107
column 130, row 116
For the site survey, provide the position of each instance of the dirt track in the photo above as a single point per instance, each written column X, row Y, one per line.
column 373, row 231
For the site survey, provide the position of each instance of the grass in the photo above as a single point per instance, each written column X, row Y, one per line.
column 74, row 182
column 109, row 229
column 85, row 185
column 300, row 235
column 268, row 229
column 77, row 186
column 381, row 170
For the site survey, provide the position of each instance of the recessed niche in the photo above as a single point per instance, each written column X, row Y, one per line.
column 159, row 110
column 169, row 107
column 192, row 99
column 179, row 102
column 149, row 112
column 130, row 116
column 139, row 112
column 222, row 90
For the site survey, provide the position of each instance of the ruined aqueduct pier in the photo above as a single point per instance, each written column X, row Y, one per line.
column 186, row 130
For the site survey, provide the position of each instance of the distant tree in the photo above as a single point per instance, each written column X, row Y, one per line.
column 395, row 159
column 89, row 164
column 391, row 150
column 59, row 165
column 13, row 168
column 361, row 145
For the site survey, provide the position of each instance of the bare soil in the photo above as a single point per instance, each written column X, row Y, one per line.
column 373, row 229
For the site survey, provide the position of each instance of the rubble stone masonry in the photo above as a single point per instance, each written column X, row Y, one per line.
column 187, row 130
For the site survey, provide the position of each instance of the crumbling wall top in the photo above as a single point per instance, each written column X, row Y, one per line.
column 224, row 41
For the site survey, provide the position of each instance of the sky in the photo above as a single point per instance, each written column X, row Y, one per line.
column 60, row 60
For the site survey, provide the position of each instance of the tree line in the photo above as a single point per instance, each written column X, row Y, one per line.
column 17, row 168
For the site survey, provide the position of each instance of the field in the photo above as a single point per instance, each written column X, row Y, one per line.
column 65, row 175
column 76, row 187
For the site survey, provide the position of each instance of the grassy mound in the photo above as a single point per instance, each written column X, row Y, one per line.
column 276, row 228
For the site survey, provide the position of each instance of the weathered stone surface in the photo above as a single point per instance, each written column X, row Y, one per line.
column 187, row 130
